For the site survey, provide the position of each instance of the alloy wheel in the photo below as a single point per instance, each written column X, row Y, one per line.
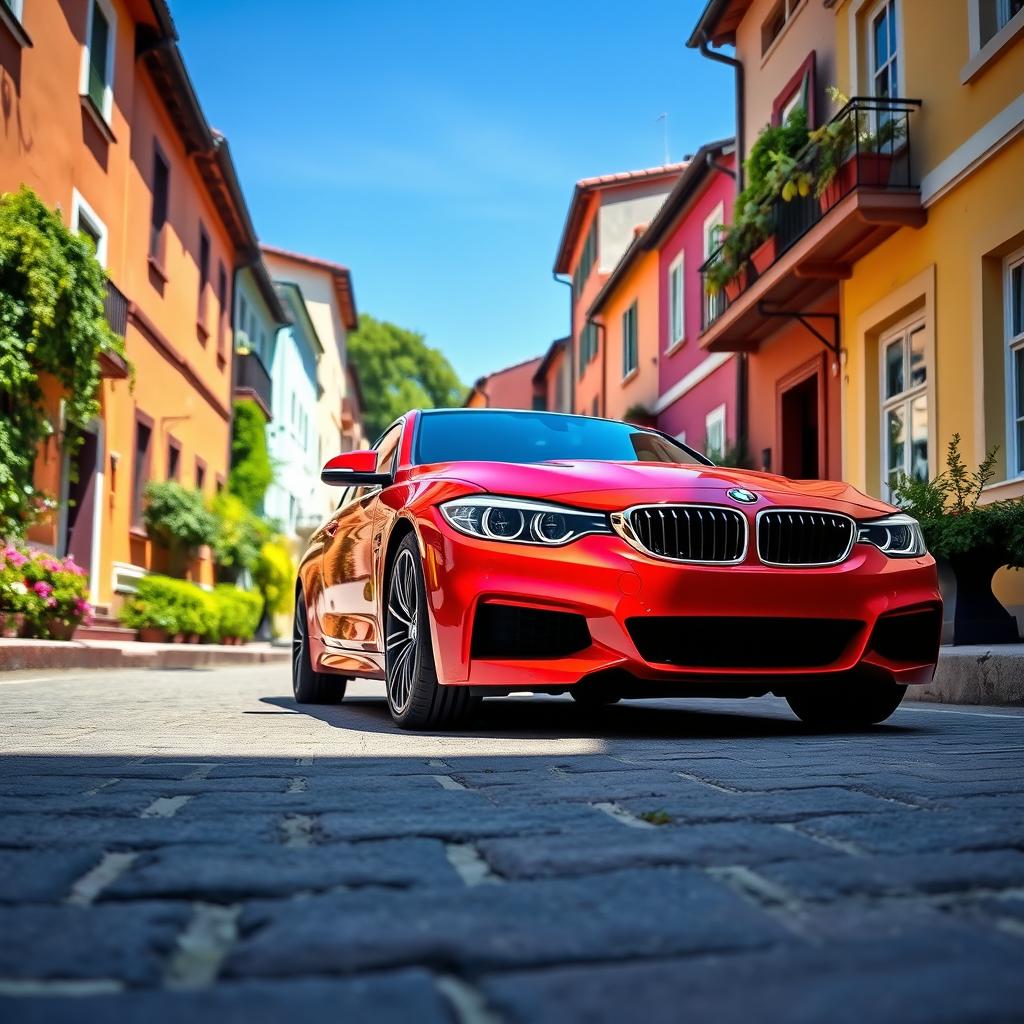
column 402, row 631
column 298, row 643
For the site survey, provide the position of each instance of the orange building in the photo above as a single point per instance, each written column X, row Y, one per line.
column 511, row 388
column 101, row 120
column 599, row 227
column 552, row 380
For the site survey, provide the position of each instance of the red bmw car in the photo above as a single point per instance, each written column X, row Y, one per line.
column 483, row 551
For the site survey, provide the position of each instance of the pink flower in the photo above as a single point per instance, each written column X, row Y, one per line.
column 15, row 557
column 42, row 588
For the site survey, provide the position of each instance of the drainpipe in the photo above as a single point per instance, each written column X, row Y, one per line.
column 741, row 366
column 737, row 66
column 572, row 338
column 603, row 404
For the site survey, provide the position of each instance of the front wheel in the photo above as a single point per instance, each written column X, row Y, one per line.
column 848, row 705
column 415, row 698
column 308, row 685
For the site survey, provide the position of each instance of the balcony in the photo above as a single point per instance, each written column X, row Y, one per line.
column 815, row 242
column 252, row 381
column 115, row 311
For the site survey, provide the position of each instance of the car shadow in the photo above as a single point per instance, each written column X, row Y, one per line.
column 550, row 717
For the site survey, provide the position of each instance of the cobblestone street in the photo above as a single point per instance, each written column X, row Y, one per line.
column 193, row 846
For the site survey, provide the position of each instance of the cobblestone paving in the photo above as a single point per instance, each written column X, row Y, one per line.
column 192, row 846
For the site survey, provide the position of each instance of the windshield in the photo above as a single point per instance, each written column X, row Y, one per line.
column 502, row 436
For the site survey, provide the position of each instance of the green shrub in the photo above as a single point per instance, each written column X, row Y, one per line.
column 240, row 535
column 174, row 605
column 251, row 468
column 239, row 611
column 274, row 574
column 177, row 517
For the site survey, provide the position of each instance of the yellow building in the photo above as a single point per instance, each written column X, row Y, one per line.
column 933, row 316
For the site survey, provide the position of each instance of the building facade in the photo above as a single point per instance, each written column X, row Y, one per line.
column 510, row 388
column 600, row 225
column 103, row 123
column 552, row 380
column 329, row 298
column 293, row 440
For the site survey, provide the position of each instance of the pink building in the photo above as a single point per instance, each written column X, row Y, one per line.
column 701, row 398
column 511, row 388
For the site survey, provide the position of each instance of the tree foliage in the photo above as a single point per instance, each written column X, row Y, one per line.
column 177, row 517
column 251, row 469
column 52, row 290
column 399, row 371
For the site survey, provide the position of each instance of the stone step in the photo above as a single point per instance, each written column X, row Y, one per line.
column 104, row 629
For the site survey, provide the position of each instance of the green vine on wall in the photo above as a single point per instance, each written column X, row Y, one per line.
column 51, row 323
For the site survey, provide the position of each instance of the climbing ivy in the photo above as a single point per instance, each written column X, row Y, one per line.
column 51, row 322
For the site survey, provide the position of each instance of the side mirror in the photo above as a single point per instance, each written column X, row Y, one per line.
column 354, row 469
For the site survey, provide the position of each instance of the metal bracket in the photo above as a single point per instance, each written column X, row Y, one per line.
column 833, row 346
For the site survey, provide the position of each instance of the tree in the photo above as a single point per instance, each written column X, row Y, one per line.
column 251, row 469
column 52, row 290
column 399, row 371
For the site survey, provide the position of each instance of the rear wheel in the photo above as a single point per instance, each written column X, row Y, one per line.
column 415, row 698
column 850, row 705
column 308, row 685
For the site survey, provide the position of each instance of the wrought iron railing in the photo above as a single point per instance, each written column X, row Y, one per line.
column 251, row 375
column 877, row 156
column 115, row 308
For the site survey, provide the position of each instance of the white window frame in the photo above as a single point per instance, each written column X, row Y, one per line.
column 896, row 9
column 676, row 304
column 905, row 399
column 716, row 218
column 630, row 315
column 82, row 211
column 1014, row 344
column 108, row 90
column 714, row 421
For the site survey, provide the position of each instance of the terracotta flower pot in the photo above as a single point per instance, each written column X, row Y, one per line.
column 11, row 624
column 178, row 638
column 152, row 635
column 59, row 629
column 868, row 170
column 736, row 286
column 192, row 638
column 764, row 255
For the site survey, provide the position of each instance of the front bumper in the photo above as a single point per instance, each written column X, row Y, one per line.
column 603, row 579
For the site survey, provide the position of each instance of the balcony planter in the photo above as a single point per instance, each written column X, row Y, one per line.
column 764, row 255
column 735, row 287
column 152, row 635
column 871, row 170
column 978, row 617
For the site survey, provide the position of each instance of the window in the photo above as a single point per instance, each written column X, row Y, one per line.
column 539, row 403
column 98, row 58
column 676, row 322
column 1014, row 290
column 140, row 468
column 173, row 459
column 713, row 225
column 904, row 404
column 588, row 345
column 714, row 433
column 200, row 473
column 158, row 216
column 588, row 257
column 222, row 306
column 995, row 15
column 204, row 276
column 629, row 341
column 781, row 15
column 242, row 314
column 14, row 6
column 387, row 450
column 884, row 51
column 85, row 222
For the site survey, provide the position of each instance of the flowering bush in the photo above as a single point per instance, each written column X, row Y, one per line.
column 49, row 592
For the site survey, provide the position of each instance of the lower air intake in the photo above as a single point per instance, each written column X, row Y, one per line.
column 505, row 631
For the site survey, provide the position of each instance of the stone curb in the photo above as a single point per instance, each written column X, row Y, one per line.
column 976, row 675
column 73, row 654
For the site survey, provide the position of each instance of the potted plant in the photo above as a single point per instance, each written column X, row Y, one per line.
column 55, row 594
column 151, row 611
column 975, row 540
column 178, row 519
column 14, row 592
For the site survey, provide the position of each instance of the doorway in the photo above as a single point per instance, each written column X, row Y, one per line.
column 83, row 482
column 800, row 424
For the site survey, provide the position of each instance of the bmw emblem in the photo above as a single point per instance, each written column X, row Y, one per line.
column 742, row 494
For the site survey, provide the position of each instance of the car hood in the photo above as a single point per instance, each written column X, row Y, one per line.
column 608, row 486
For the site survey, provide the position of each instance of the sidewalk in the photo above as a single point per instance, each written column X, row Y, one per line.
column 982, row 674
column 72, row 654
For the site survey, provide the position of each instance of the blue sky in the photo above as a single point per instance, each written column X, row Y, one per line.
column 433, row 148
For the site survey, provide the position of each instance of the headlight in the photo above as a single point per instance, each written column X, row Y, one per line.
column 898, row 536
column 521, row 521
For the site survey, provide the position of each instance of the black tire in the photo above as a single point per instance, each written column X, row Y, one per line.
column 853, row 704
column 415, row 698
column 308, row 685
